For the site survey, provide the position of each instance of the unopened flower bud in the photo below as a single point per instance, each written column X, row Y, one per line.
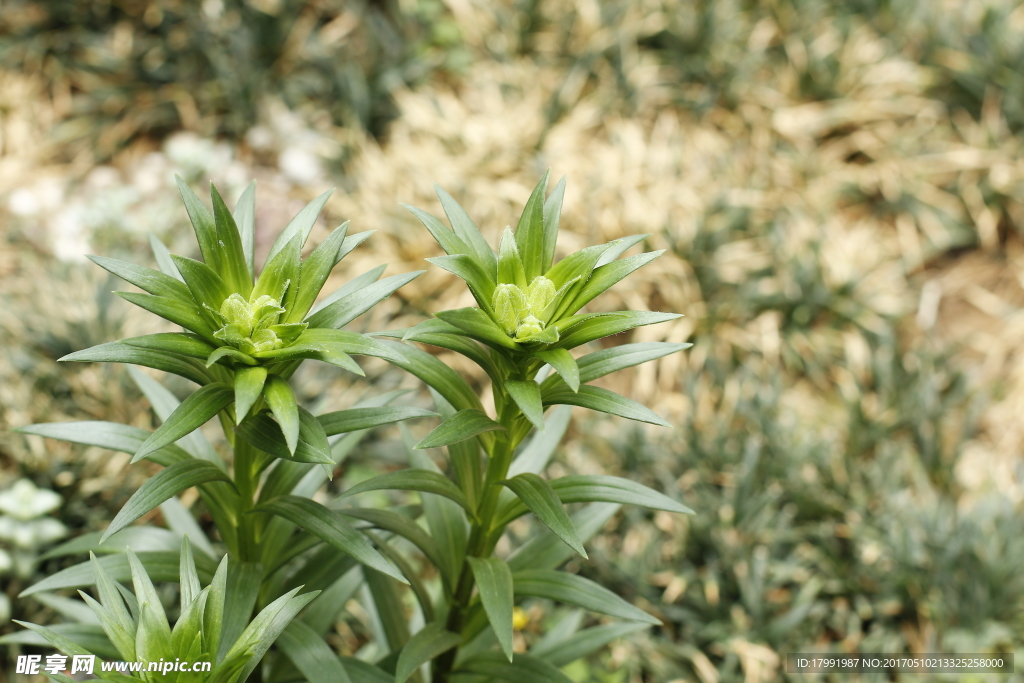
column 529, row 327
column 509, row 305
column 539, row 294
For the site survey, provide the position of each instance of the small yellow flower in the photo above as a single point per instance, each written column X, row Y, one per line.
column 520, row 619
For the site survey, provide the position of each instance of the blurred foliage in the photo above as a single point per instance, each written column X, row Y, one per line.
column 118, row 69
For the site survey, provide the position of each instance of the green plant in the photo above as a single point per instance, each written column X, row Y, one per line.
column 244, row 338
column 138, row 627
column 528, row 318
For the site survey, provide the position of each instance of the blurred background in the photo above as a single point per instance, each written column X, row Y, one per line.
column 839, row 189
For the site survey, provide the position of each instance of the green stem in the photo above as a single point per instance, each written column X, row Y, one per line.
column 479, row 543
column 246, row 480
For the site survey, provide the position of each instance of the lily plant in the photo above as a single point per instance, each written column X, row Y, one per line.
column 440, row 596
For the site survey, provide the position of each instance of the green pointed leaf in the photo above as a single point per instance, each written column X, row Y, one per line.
column 431, row 641
column 601, row 400
column 234, row 266
column 192, row 414
column 355, row 419
column 182, row 312
column 164, row 403
column 585, row 642
column 116, row 619
column 261, row 633
column 326, row 341
column 579, row 330
column 349, row 307
column 535, row 457
column 545, row 550
column 436, row 374
column 163, row 258
column 364, row 672
column 120, row 352
column 576, row 590
column 160, row 565
column 452, row 244
column 526, row 394
column 465, row 267
column 589, row 488
column 411, row 480
column 552, row 214
column 245, row 219
column 465, row 424
column 353, row 285
column 467, row 231
column 495, row 667
column 510, row 264
column 618, row 247
column 607, row 275
column 190, row 586
column 494, row 582
column 154, row 618
column 389, row 605
column 164, row 484
column 397, row 523
column 607, row 361
column 564, row 364
column 475, row 323
column 577, row 265
column 282, row 404
column 202, row 223
column 264, row 433
column 248, row 387
column 232, row 353
column 240, row 593
column 437, row 332
column 146, row 279
column 280, row 275
column 314, row 658
column 538, row 495
column 300, row 226
column 181, row 343
column 331, row 528
column 116, row 437
column 63, row 644
column 314, row 272
column 530, row 231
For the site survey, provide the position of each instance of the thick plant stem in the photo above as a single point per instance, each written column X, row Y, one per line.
column 478, row 546
column 245, row 481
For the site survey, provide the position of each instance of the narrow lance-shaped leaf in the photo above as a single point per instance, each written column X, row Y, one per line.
column 282, row 404
column 431, row 641
column 164, row 484
column 494, row 582
column 116, row 437
column 146, row 279
column 355, row 419
column 585, row 642
column 465, row 424
column 530, row 231
column 538, row 495
column 607, row 361
column 348, row 308
column 182, row 312
column 578, row 330
column 442, row 234
column 234, row 266
column 466, row 229
column 203, row 223
column 313, row 657
column 245, row 219
column 193, row 412
column 576, row 590
column 412, row 479
column 314, row 272
column 249, row 383
column 262, row 432
column 477, row 324
column 607, row 275
column 493, row 666
column 564, row 364
column 332, row 528
column 602, row 400
column 181, row 343
column 300, row 226
column 526, row 395
column 479, row 282
column 552, row 215
column 120, row 352
column 510, row 263
column 163, row 258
